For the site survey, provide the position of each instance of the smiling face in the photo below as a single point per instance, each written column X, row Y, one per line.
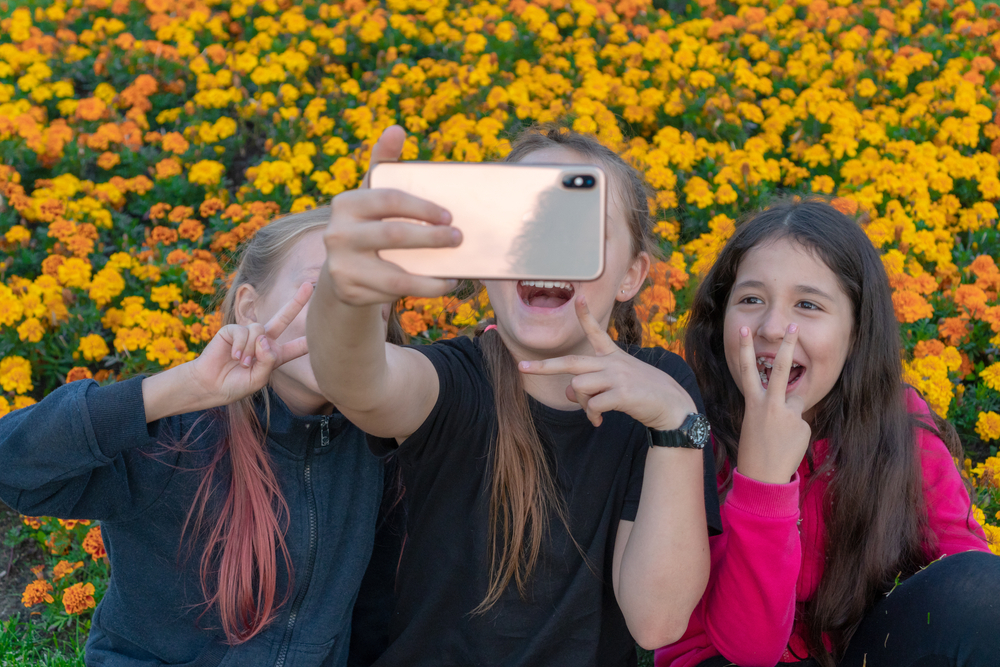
column 782, row 282
column 538, row 319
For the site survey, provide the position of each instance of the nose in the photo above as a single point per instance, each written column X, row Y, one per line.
column 773, row 324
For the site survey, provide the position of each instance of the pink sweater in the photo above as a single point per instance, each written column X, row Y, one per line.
column 769, row 558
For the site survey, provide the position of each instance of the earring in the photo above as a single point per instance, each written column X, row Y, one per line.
column 623, row 291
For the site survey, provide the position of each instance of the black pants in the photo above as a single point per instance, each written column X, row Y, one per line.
column 946, row 615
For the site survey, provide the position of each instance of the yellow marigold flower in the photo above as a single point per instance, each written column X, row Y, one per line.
column 31, row 330
column 698, row 192
column 988, row 426
column 93, row 347
column 93, row 543
column 37, row 592
column 78, row 598
column 206, row 172
column 866, row 88
column 22, row 402
column 165, row 295
column 15, row 375
column 930, row 376
column 991, row 376
column 17, row 235
column 823, row 184
column 11, row 308
column 74, row 272
column 702, row 79
column 106, row 285
column 64, row 568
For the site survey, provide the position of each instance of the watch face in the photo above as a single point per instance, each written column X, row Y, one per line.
column 699, row 429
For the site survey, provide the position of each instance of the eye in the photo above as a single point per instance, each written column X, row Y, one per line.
column 808, row 305
column 751, row 300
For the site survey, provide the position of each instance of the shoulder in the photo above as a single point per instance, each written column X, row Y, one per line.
column 670, row 363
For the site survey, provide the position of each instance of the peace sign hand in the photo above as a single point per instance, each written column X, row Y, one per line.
column 614, row 380
column 239, row 360
column 774, row 437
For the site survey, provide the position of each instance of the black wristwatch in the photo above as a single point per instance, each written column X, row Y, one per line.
column 692, row 434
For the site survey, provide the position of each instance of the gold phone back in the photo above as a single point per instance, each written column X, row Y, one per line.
column 518, row 221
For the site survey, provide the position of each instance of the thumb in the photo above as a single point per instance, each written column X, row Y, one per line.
column 388, row 148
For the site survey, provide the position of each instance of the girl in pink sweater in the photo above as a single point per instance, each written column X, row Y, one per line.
column 839, row 492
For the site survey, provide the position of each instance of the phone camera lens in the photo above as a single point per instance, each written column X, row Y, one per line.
column 578, row 181
column 589, row 181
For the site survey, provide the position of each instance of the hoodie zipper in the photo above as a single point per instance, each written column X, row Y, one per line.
column 324, row 439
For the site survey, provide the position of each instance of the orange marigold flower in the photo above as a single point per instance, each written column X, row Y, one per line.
column 175, row 143
column 927, row 348
column 108, row 160
column 93, row 543
column 177, row 257
column 191, row 229
column 164, row 235
column 158, row 211
column 180, row 213
column 413, row 324
column 36, row 592
column 78, row 373
column 167, row 168
column 953, row 329
column 78, row 598
column 51, row 264
column 910, row 306
column 91, row 108
column 64, row 568
column 201, row 276
column 845, row 205
column 210, row 207
column 972, row 298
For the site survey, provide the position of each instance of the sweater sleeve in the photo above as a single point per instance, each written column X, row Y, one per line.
column 748, row 608
column 66, row 456
column 949, row 510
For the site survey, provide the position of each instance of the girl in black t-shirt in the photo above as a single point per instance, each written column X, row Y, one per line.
column 523, row 453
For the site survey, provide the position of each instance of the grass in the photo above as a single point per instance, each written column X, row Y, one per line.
column 25, row 644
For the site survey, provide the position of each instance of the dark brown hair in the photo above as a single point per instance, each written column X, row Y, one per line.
column 874, row 507
column 523, row 490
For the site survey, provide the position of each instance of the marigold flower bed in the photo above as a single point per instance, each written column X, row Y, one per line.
column 140, row 143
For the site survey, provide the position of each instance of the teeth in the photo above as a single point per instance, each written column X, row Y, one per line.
column 766, row 363
column 547, row 284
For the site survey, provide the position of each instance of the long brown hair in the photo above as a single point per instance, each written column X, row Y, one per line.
column 245, row 532
column 523, row 491
column 874, row 507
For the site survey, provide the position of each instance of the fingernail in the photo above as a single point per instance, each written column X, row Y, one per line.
column 264, row 345
column 445, row 217
column 453, row 283
column 456, row 236
column 246, row 360
column 525, row 365
column 236, row 355
column 792, row 328
column 744, row 331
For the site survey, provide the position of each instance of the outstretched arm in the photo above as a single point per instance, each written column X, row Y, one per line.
column 383, row 389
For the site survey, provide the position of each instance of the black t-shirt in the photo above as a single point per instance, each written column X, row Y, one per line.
column 571, row 616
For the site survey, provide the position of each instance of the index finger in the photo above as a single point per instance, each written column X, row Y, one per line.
column 749, row 375
column 277, row 324
column 778, row 382
column 388, row 148
column 388, row 203
column 598, row 337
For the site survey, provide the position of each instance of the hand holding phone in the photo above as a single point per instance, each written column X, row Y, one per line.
column 518, row 221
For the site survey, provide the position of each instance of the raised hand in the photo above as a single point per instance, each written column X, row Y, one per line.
column 614, row 380
column 358, row 229
column 774, row 437
column 239, row 360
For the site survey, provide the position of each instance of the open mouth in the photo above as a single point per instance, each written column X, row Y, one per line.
column 544, row 293
column 764, row 367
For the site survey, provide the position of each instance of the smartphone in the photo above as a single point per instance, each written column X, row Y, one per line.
column 518, row 221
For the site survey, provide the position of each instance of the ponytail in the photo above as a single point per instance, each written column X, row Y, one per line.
column 625, row 322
